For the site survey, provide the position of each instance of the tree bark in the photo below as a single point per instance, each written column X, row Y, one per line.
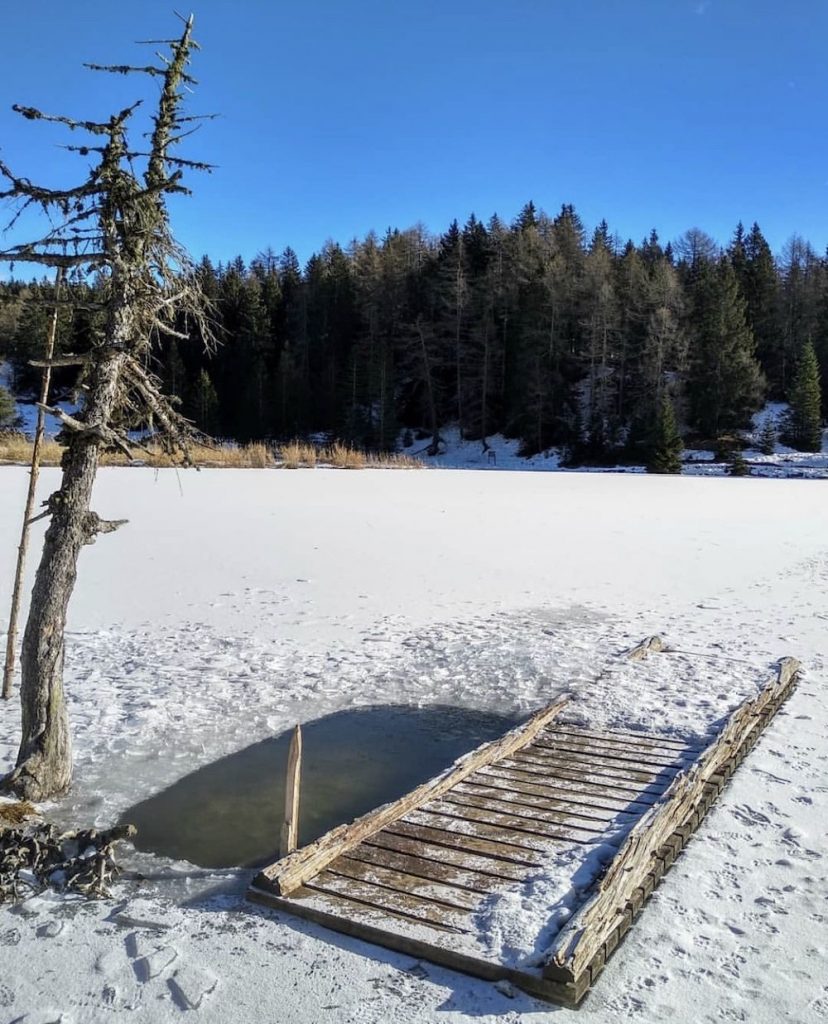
column 44, row 760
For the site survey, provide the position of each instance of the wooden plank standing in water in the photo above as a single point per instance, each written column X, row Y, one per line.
column 289, row 839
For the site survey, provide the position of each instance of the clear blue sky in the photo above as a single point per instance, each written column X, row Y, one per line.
column 338, row 116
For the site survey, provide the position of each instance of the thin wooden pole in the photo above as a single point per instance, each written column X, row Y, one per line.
column 17, row 592
column 290, row 826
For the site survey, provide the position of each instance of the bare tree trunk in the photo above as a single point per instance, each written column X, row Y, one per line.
column 44, row 760
column 149, row 283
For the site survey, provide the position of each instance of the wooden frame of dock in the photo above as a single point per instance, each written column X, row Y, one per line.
column 409, row 875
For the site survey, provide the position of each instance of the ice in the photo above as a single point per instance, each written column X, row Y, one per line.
column 190, row 637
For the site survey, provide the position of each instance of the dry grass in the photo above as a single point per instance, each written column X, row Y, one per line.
column 302, row 455
column 16, row 449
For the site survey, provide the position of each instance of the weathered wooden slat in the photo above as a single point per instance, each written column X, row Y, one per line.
column 647, row 848
column 565, row 790
column 499, row 851
column 402, row 903
column 532, row 801
column 463, row 861
column 557, row 818
column 575, row 762
column 290, row 872
column 521, row 825
column 404, row 882
column 620, row 736
column 635, row 741
column 605, row 783
column 463, row 878
column 654, row 759
column 571, row 786
column 491, row 831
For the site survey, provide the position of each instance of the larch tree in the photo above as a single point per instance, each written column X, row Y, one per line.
column 113, row 225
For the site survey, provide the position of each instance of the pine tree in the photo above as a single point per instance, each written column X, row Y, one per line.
column 665, row 455
column 805, row 422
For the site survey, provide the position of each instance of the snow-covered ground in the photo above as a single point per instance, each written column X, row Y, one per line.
column 239, row 602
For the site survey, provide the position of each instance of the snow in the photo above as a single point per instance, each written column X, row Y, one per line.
column 238, row 602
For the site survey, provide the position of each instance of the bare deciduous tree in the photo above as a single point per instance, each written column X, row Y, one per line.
column 114, row 224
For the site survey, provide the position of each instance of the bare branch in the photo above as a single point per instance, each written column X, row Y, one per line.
column 22, row 187
column 67, row 360
column 128, row 69
column 93, row 525
column 50, row 259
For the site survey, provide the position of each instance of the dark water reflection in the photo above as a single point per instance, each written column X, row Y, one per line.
column 229, row 812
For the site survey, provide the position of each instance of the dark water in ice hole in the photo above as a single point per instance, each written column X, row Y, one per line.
column 229, row 813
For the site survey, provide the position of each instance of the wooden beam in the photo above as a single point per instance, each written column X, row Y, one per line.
column 640, row 854
column 296, row 868
column 290, row 825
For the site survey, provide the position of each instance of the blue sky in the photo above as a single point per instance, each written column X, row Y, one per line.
column 340, row 117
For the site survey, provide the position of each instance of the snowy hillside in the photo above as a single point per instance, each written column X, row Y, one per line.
column 237, row 603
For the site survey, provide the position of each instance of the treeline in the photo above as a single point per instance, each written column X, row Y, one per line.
column 532, row 330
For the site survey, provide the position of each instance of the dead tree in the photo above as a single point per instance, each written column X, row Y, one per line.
column 115, row 225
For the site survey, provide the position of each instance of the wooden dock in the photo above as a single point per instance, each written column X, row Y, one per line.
column 413, row 875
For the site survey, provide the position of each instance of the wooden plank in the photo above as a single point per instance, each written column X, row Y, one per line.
column 496, row 803
column 501, row 853
column 404, row 882
column 574, row 762
column 635, row 741
column 602, row 763
column 462, row 878
column 492, row 832
column 541, row 803
column 492, row 870
column 523, row 826
column 403, row 904
column 606, row 783
column 568, row 788
column 290, row 825
column 291, row 871
column 637, row 737
column 647, row 850
column 651, row 759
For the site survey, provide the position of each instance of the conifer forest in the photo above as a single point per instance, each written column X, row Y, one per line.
column 534, row 330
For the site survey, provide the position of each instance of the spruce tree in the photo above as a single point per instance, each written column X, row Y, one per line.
column 725, row 384
column 665, row 454
column 805, row 421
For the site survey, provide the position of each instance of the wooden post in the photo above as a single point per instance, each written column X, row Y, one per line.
column 11, row 635
column 290, row 826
